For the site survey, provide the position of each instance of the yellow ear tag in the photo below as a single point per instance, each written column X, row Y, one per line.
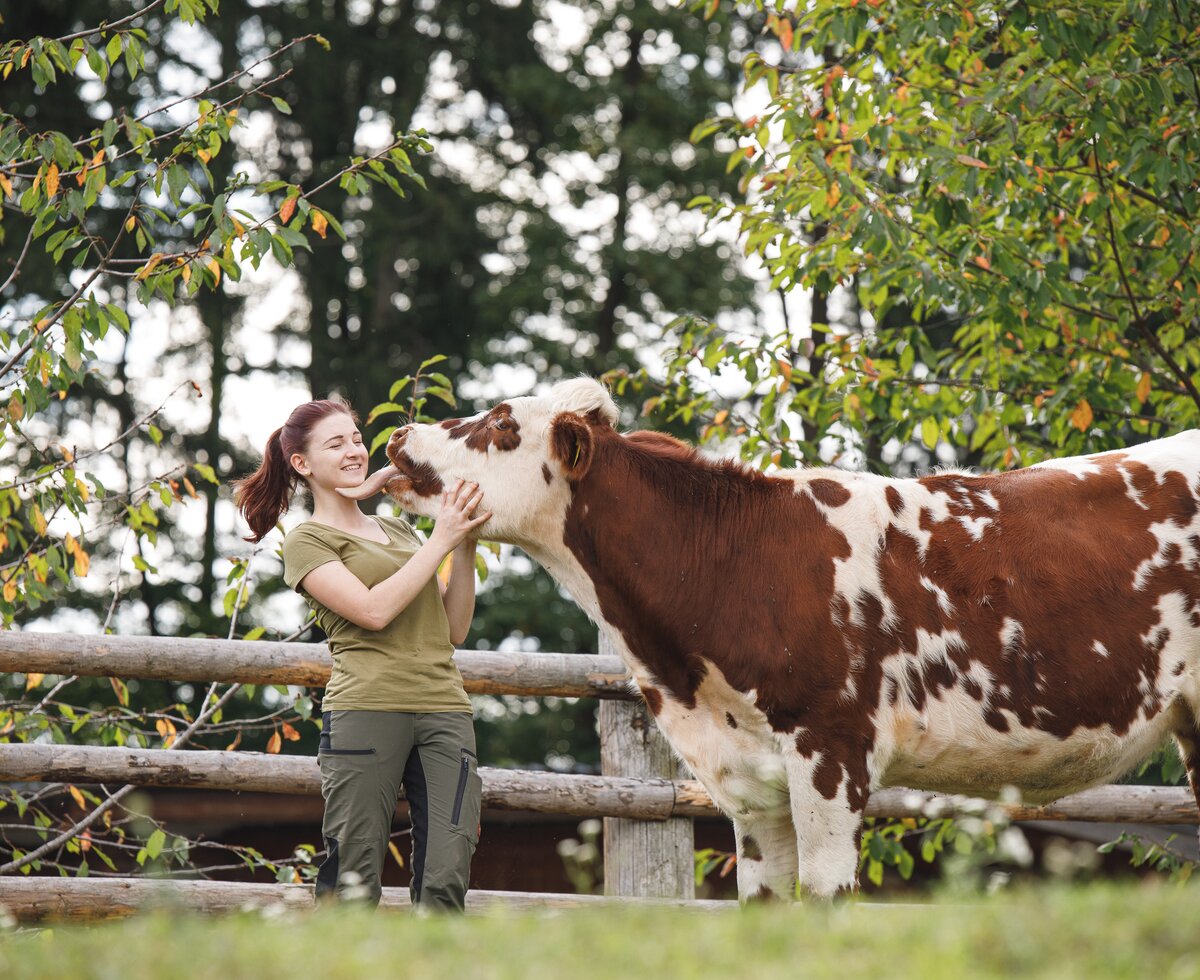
column 578, row 449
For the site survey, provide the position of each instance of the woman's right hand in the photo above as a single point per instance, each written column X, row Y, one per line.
column 455, row 521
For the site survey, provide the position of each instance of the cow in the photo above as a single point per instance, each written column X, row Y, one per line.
column 806, row 636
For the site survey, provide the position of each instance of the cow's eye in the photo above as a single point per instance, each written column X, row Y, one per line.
column 502, row 424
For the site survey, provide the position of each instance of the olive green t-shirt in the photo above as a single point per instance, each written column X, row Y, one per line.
column 407, row 665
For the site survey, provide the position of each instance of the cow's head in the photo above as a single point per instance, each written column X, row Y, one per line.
column 524, row 454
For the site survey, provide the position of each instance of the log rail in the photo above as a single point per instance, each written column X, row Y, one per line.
column 659, row 799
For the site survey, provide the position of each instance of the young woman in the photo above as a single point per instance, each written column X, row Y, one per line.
column 394, row 712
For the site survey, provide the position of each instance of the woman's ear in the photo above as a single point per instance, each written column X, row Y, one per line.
column 571, row 444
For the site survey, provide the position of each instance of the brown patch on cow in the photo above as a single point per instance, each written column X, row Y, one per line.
column 546, row 474
column 750, row 849
column 420, row 478
column 763, row 895
column 894, row 499
column 653, row 699
column 730, row 720
column 1178, row 669
column 829, row 492
column 495, row 430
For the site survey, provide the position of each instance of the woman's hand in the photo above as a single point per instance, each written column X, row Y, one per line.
column 455, row 521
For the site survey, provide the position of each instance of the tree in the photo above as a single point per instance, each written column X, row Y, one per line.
column 1019, row 181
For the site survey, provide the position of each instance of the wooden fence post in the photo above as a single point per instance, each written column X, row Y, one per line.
column 642, row 858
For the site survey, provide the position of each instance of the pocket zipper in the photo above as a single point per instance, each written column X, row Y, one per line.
column 463, row 771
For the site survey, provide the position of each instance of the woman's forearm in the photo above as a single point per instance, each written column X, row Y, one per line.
column 459, row 597
column 385, row 601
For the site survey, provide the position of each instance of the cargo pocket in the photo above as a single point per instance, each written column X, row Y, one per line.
column 350, row 786
column 464, row 817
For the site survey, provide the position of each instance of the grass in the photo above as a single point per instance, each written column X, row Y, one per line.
column 1099, row 930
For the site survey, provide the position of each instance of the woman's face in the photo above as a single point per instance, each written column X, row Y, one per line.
column 335, row 455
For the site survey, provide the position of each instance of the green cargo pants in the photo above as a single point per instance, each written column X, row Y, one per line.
column 364, row 757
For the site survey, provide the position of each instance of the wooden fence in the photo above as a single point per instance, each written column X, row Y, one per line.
column 647, row 807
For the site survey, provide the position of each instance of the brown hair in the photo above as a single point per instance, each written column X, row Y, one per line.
column 263, row 496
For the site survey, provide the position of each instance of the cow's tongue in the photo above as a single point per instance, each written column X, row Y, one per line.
column 372, row 484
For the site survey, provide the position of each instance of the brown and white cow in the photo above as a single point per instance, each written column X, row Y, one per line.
column 807, row 636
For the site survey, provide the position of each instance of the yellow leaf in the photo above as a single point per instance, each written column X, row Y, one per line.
column 287, row 209
column 215, row 268
column 289, row 732
column 239, row 228
column 833, row 195
column 10, row 590
column 70, row 543
column 85, row 839
column 16, row 410
column 203, row 155
column 396, row 853
column 186, row 273
column 78, row 797
column 130, row 223
column 82, row 487
column 969, row 161
column 39, row 520
column 52, row 180
column 721, row 416
column 1081, row 418
column 190, row 489
column 25, row 57
column 235, row 743
column 33, row 680
column 1143, row 388
column 982, row 262
column 319, row 223
column 7, row 185
column 145, row 270
column 82, row 563
column 275, row 743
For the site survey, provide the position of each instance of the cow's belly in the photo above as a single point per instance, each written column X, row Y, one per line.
column 949, row 748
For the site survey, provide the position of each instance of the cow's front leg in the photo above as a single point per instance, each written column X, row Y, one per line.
column 766, row 856
column 827, row 828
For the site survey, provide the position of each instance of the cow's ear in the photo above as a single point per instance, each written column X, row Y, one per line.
column 571, row 444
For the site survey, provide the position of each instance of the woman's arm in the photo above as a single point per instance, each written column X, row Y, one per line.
column 459, row 596
column 339, row 589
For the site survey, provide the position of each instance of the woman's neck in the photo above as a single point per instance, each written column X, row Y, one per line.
column 330, row 507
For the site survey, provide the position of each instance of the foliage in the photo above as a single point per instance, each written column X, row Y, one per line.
column 180, row 232
column 1100, row 930
column 186, row 223
column 1005, row 194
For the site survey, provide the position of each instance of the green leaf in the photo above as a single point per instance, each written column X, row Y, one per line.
column 155, row 842
column 281, row 105
column 930, row 432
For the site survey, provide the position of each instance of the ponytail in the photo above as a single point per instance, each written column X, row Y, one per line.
column 263, row 496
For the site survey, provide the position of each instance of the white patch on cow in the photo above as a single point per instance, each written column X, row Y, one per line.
column 1099, row 648
column 1168, row 533
column 943, row 599
column 1012, row 633
column 741, row 768
column 861, row 521
column 988, row 499
column 1180, row 642
column 950, row 748
column 975, row 526
column 1080, row 467
column 1163, row 456
column 1130, row 490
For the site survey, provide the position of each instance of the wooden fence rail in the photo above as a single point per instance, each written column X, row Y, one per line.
column 631, row 788
column 653, row 799
column 571, row 675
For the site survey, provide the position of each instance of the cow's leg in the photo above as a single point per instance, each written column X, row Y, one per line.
column 827, row 830
column 766, row 856
column 1189, row 751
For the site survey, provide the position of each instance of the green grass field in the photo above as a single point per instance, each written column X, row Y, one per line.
column 1101, row 930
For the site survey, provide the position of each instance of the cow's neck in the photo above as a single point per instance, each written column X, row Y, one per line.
column 682, row 557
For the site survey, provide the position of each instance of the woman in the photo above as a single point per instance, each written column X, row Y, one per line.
column 394, row 711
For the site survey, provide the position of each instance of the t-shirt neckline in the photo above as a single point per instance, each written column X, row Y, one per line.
column 359, row 537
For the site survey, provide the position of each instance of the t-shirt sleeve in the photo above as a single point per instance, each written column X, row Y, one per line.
column 408, row 532
column 302, row 552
